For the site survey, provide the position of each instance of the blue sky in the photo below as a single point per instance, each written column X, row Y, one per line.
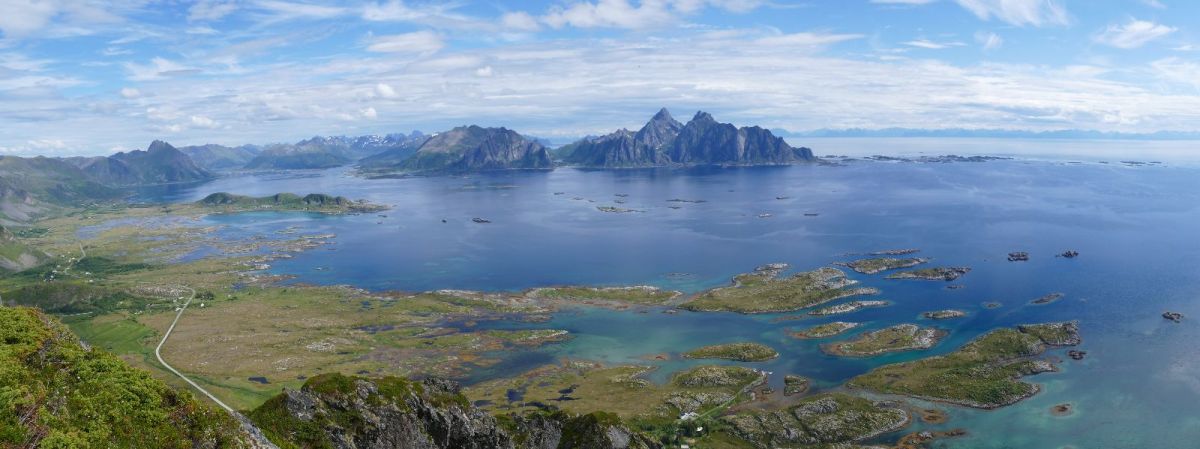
column 91, row 77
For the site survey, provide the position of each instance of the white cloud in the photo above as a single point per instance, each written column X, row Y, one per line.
column 419, row 42
column 130, row 93
column 931, row 45
column 519, row 21
column 200, row 121
column 58, row 18
column 643, row 14
column 989, row 40
column 385, row 91
column 205, row 10
column 1154, row 4
column 805, row 39
column 484, row 72
column 369, row 113
column 1178, row 71
column 280, row 10
column 202, row 31
column 158, row 68
column 1019, row 12
column 1133, row 34
column 610, row 13
column 903, row 2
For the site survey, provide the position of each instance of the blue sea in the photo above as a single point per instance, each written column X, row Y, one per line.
column 1135, row 226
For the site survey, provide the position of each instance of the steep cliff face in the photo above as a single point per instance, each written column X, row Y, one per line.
column 625, row 148
column 702, row 141
column 473, row 148
column 705, row 141
column 660, row 130
column 344, row 412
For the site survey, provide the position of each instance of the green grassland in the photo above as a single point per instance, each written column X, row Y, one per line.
column 742, row 352
column 828, row 420
column 984, row 373
column 763, row 291
column 585, row 387
column 643, row 295
column 825, row 330
column 901, row 337
column 880, row 264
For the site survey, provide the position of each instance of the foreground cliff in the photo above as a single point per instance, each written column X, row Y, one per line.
column 57, row 392
column 337, row 411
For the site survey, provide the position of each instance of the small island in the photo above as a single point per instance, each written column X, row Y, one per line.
column 827, row 420
column 944, row 314
column 1048, row 298
column 901, row 337
column 764, row 291
column 852, row 306
column 932, row 274
column 881, row 264
column 741, row 352
column 794, row 385
column 617, row 210
column 638, row 294
column 984, row 373
column 825, row 330
column 313, row 202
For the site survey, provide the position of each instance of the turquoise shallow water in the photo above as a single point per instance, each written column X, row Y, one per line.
column 1135, row 227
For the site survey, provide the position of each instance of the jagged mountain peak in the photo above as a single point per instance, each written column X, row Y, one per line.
column 159, row 145
column 663, row 114
column 702, row 117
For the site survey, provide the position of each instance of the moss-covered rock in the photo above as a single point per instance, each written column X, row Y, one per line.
column 57, row 392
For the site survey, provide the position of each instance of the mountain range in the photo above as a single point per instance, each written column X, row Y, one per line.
column 665, row 141
column 161, row 163
column 466, row 149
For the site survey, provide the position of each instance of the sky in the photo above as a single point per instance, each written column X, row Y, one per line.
column 93, row 77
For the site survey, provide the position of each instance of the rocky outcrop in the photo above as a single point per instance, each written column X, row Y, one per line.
column 473, row 148
column 346, row 412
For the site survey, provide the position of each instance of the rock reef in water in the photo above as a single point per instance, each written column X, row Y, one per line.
column 932, row 274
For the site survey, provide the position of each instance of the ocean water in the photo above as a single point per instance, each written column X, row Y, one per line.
column 1135, row 227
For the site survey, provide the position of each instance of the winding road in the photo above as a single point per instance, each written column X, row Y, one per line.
column 158, row 353
column 260, row 440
